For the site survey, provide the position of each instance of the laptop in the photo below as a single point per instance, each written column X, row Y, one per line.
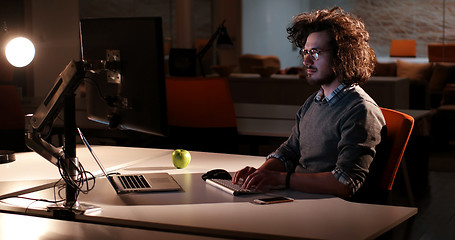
column 126, row 183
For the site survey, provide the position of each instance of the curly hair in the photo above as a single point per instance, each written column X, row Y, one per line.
column 354, row 59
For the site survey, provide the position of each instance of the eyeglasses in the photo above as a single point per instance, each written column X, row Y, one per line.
column 313, row 52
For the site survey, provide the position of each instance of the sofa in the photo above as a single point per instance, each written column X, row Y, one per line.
column 263, row 65
column 427, row 80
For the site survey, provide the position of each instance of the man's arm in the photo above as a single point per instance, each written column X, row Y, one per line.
column 273, row 164
column 272, row 173
column 324, row 183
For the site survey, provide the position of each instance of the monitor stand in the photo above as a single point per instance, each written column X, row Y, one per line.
column 71, row 205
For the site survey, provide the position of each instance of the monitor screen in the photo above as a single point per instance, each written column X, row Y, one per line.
column 132, row 95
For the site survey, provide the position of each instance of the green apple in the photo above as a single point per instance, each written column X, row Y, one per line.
column 181, row 158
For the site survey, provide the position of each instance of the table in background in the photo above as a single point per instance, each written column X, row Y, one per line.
column 389, row 92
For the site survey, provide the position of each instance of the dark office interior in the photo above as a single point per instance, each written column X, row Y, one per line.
column 422, row 72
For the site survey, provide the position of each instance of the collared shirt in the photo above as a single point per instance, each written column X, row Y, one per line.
column 335, row 95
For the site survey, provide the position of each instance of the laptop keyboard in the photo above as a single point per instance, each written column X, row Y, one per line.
column 133, row 181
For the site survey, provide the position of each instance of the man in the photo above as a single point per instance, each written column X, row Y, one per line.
column 338, row 128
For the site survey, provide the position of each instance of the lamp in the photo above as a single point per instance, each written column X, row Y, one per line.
column 19, row 52
column 223, row 42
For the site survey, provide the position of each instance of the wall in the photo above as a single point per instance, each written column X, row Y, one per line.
column 55, row 33
column 264, row 24
column 421, row 20
column 229, row 10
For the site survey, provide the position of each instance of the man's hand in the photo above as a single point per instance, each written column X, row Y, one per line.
column 258, row 179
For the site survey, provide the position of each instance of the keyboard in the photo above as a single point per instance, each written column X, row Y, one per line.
column 229, row 187
column 133, row 181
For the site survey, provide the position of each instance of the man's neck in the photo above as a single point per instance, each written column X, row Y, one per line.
column 330, row 87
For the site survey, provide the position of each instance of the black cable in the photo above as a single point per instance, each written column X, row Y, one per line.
column 40, row 199
column 83, row 178
column 98, row 88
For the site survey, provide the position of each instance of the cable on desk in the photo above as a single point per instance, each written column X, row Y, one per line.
column 83, row 182
column 31, row 199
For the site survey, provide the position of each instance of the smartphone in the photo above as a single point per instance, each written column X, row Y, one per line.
column 271, row 200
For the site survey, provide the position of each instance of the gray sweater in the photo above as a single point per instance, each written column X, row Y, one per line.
column 335, row 136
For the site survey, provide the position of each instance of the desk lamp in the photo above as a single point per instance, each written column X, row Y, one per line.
column 223, row 42
column 19, row 52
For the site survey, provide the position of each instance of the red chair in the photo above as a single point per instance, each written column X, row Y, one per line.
column 399, row 128
column 200, row 102
column 201, row 114
column 388, row 158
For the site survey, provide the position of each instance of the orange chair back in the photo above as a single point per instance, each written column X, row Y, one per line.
column 441, row 52
column 200, row 102
column 403, row 48
column 399, row 127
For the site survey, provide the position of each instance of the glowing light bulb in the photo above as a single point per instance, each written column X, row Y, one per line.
column 20, row 52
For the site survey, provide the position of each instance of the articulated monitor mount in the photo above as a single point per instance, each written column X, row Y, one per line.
column 39, row 126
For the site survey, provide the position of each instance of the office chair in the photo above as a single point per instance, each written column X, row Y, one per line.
column 389, row 155
column 201, row 114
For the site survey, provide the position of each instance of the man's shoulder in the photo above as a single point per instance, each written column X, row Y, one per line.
column 358, row 96
column 358, row 102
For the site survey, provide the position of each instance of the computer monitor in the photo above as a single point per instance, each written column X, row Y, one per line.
column 132, row 93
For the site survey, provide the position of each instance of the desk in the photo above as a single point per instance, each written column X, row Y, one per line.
column 15, row 226
column 201, row 208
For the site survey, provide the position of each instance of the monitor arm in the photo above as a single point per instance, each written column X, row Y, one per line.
column 39, row 124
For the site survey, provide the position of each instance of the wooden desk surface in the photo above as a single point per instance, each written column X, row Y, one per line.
column 202, row 209
column 16, row 226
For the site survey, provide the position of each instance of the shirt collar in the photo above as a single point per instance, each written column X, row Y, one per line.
column 334, row 96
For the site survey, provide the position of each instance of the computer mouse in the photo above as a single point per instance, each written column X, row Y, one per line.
column 217, row 174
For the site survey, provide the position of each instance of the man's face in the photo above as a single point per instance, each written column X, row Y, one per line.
column 317, row 58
